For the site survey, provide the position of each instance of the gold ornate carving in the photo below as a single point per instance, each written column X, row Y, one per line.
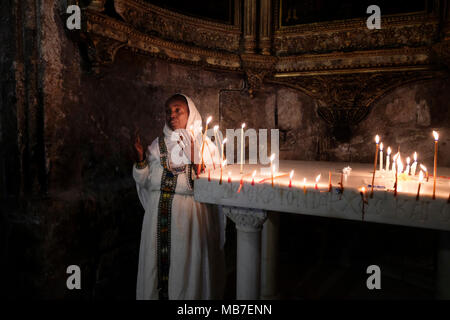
column 397, row 31
column 257, row 67
column 169, row 25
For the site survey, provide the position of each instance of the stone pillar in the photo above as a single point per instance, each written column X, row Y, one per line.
column 265, row 26
column 249, row 223
column 249, row 26
column 443, row 266
column 269, row 258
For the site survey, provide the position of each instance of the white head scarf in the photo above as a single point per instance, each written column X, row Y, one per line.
column 177, row 156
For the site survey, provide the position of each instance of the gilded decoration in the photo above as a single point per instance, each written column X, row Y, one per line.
column 341, row 64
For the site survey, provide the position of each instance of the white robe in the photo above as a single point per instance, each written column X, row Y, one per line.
column 197, row 264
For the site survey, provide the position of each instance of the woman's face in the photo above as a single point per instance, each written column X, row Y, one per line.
column 177, row 114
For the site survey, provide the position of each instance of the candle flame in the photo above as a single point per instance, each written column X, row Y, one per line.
column 381, row 146
column 272, row 157
column 436, row 135
column 318, row 178
column 208, row 120
column 304, row 181
column 423, row 167
column 224, row 140
column 377, row 139
column 389, row 150
column 363, row 190
column 408, row 160
column 224, row 163
column 415, row 156
column 291, row 174
column 420, row 176
column 216, row 127
column 243, row 125
column 396, row 156
column 253, row 174
column 229, row 173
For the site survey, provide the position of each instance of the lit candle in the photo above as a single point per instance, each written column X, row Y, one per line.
column 408, row 160
column 381, row 156
column 388, row 158
column 317, row 181
column 329, row 181
column 414, row 165
column 362, row 192
column 203, row 139
column 425, row 170
column 229, row 176
column 272, row 157
column 290, row 178
column 242, row 148
column 273, row 171
column 436, row 139
column 304, row 185
column 253, row 177
column 377, row 141
column 223, row 144
column 420, row 182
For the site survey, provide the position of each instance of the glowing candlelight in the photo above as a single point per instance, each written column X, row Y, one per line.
column 436, row 139
column 381, row 156
column 273, row 171
column 272, row 157
column 362, row 192
column 304, row 185
column 317, row 181
column 408, row 160
column 420, row 182
column 377, row 141
column 242, row 148
column 253, row 177
column 329, row 181
column 388, row 158
column 229, row 176
column 425, row 170
column 414, row 165
column 290, row 178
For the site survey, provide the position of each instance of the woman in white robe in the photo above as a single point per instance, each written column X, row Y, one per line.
column 196, row 269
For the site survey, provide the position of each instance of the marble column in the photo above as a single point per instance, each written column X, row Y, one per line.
column 249, row 26
column 443, row 266
column 269, row 257
column 265, row 26
column 249, row 223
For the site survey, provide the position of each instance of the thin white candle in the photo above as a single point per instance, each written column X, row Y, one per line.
column 381, row 156
column 388, row 158
column 242, row 148
column 436, row 139
column 414, row 165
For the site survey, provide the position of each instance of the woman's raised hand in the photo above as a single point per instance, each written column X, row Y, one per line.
column 139, row 148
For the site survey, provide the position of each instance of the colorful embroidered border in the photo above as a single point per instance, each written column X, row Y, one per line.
column 168, row 185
